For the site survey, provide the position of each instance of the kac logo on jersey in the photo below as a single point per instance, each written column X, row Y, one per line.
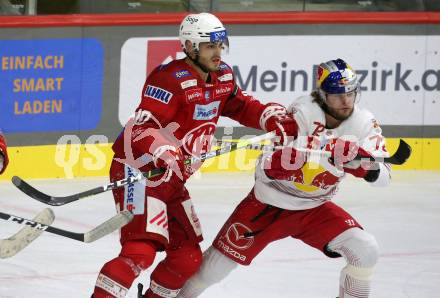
column 158, row 94
column 206, row 112
column 181, row 74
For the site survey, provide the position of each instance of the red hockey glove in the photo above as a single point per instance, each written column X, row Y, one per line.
column 343, row 154
column 171, row 159
column 285, row 128
column 2, row 163
column 3, row 154
column 275, row 118
column 283, row 163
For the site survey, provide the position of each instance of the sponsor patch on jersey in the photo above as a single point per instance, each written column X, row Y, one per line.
column 162, row 66
column 375, row 123
column 194, row 95
column 134, row 195
column 207, row 95
column 223, row 66
column 223, row 89
column 159, row 94
column 225, row 77
column 188, row 83
column 218, row 36
column 181, row 73
column 206, row 112
column 376, row 126
column 234, row 235
column 192, row 216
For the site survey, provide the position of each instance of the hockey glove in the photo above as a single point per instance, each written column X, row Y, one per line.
column 343, row 154
column 1, row 162
column 171, row 159
column 3, row 154
column 275, row 118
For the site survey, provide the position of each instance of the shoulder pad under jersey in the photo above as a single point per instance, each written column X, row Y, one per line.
column 225, row 73
column 363, row 122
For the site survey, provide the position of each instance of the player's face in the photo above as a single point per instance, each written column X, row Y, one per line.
column 341, row 105
column 210, row 55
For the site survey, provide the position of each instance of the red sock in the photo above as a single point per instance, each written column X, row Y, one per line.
column 172, row 273
column 116, row 277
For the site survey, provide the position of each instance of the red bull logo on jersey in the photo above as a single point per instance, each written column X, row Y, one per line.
column 313, row 177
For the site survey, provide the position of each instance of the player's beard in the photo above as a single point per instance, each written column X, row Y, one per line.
column 209, row 64
column 340, row 114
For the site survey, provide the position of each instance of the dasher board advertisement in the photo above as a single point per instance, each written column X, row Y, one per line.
column 399, row 75
column 50, row 85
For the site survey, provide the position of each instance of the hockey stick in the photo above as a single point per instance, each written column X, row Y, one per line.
column 107, row 227
column 11, row 246
column 399, row 157
column 62, row 200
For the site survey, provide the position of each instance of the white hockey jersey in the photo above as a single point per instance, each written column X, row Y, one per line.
column 317, row 181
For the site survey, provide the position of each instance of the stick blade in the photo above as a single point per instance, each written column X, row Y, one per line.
column 402, row 153
column 32, row 192
column 17, row 242
column 52, row 200
column 109, row 226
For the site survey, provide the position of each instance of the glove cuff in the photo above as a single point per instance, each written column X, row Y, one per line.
column 272, row 109
column 161, row 150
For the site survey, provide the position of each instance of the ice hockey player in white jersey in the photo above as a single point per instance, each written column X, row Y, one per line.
column 293, row 190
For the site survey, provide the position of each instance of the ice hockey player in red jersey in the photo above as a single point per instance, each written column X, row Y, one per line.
column 3, row 154
column 292, row 192
column 180, row 106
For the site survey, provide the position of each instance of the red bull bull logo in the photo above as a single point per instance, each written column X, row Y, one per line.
column 313, row 177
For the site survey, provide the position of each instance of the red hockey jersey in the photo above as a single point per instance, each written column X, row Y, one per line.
column 179, row 109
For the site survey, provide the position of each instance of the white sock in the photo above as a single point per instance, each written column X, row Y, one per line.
column 351, row 287
column 215, row 267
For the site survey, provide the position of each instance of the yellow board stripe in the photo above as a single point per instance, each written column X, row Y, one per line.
column 69, row 161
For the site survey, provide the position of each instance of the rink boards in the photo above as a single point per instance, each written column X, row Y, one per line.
column 66, row 82
column 67, row 161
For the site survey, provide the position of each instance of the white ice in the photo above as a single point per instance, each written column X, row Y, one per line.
column 405, row 218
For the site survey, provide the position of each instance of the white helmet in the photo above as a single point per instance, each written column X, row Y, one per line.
column 202, row 27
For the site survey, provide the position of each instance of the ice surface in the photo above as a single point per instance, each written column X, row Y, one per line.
column 405, row 218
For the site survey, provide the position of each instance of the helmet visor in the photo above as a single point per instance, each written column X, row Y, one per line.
column 220, row 38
